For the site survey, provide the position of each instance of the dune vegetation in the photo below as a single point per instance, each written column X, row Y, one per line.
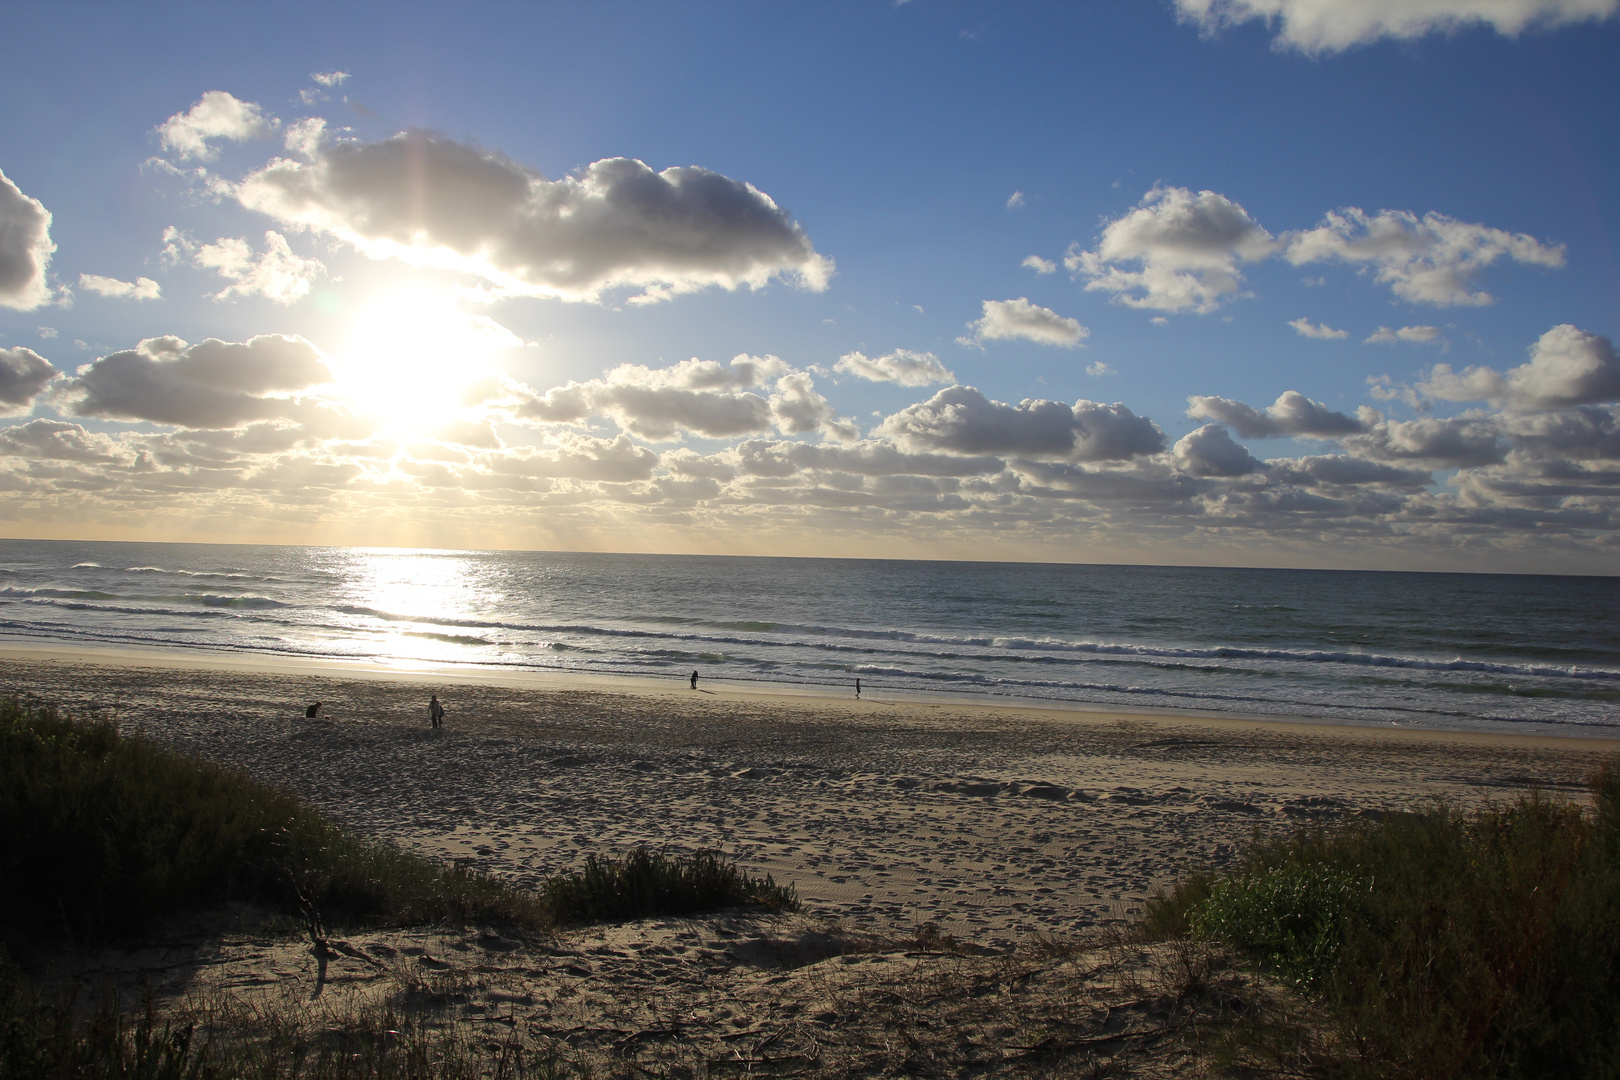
column 1437, row 944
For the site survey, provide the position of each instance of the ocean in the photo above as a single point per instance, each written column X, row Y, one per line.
column 1515, row 653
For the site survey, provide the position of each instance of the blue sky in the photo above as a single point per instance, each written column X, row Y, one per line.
column 1021, row 281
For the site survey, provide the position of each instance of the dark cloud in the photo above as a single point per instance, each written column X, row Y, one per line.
column 433, row 201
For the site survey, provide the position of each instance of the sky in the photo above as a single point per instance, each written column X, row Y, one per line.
column 1323, row 283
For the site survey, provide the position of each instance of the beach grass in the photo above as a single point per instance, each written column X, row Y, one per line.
column 646, row 883
column 1442, row 943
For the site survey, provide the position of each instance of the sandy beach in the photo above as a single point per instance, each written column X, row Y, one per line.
column 965, row 871
column 989, row 823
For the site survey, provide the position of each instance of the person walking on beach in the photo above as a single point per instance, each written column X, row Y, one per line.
column 694, row 680
column 857, row 689
column 436, row 712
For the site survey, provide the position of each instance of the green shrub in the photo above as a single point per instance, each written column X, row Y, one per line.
column 1446, row 943
column 1291, row 917
column 647, row 883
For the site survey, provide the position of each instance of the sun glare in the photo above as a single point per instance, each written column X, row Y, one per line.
column 410, row 356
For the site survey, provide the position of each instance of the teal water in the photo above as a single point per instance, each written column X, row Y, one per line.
column 1459, row 651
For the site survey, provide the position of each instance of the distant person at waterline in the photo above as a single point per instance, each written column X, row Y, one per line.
column 313, row 711
column 857, row 688
column 694, row 680
column 436, row 712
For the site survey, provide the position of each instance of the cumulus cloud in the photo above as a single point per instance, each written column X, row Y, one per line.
column 212, row 384
column 1420, row 335
column 1188, row 248
column 1568, row 366
column 54, row 440
column 1039, row 265
column 1429, row 260
column 432, row 201
column 1321, row 331
column 961, row 420
column 1210, row 451
column 902, row 366
column 1458, row 442
column 25, row 248
column 1292, row 414
column 1342, row 470
column 217, row 115
column 1322, row 26
column 1012, row 320
column 277, row 274
column 139, row 289
column 699, row 397
column 330, row 79
column 23, row 374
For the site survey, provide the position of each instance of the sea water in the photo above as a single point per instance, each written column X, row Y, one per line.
column 1458, row 651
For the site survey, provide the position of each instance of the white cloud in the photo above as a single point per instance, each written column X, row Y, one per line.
column 431, row 201
column 902, row 366
column 1188, row 248
column 25, row 248
column 1039, row 265
column 330, row 79
column 304, row 137
column 46, row 333
column 1419, row 335
column 1012, row 320
column 1305, row 328
column 277, row 275
column 1015, row 200
column 1099, row 369
column 217, row 115
column 1291, row 414
column 695, row 396
column 1568, row 366
column 23, row 374
column 139, row 289
column 1210, row 451
column 1429, row 260
column 961, row 420
column 1322, row 26
column 213, row 384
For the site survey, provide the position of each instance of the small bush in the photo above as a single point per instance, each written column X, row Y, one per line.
column 1290, row 917
column 1445, row 943
column 645, row 884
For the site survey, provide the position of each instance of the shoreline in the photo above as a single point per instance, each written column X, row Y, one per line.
column 787, row 694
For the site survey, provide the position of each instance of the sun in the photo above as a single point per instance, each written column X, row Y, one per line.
column 411, row 354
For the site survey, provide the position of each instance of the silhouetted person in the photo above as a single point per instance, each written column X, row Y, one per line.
column 436, row 712
column 313, row 711
column 857, row 688
column 694, row 680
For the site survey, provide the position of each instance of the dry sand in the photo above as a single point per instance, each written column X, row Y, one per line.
column 1004, row 827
